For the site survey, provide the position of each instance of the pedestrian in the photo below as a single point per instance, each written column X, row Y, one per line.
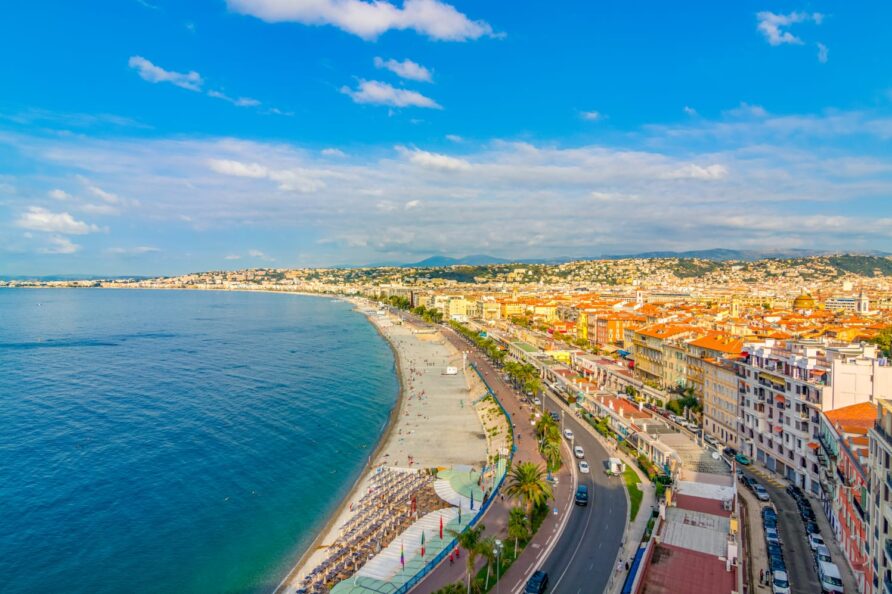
column 761, row 576
column 627, row 566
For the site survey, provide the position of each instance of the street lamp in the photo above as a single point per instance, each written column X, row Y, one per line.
column 498, row 553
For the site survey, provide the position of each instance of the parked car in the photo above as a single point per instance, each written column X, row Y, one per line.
column 812, row 528
column 711, row 440
column 537, row 583
column 741, row 459
column 730, row 452
column 568, row 434
column 579, row 452
column 815, row 540
column 822, row 555
column 777, row 564
column 807, row 513
column 537, row 402
column 581, row 497
column 780, row 583
column 555, row 416
column 761, row 493
column 774, row 550
column 769, row 511
column 583, row 467
column 747, row 482
column 795, row 492
column 771, row 536
column 831, row 581
column 769, row 522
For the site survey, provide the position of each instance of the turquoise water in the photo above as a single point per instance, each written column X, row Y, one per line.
column 177, row 441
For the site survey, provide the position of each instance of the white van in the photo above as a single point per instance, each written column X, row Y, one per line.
column 831, row 580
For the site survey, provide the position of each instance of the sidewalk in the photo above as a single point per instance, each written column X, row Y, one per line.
column 496, row 517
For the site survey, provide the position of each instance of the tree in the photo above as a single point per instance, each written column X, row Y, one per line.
column 486, row 548
column 551, row 451
column 454, row 588
column 526, row 483
column 518, row 526
column 883, row 339
column 468, row 540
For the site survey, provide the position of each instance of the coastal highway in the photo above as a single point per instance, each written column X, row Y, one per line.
column 585, row 556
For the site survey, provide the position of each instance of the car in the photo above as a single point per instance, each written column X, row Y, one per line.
column 579, row 452
column 812, row 528
column 583, row 467
column 752, row 484
column 822, row 555
column 568, row 434
column 777, row 564
column 537, row 402
column 555, row 416
column 537, row 583
column 795, row 492
column 711, row 440
column 774, row 550
column 741, row 459
column 581, row 497
column 769, row 522
column 814, row 541
column 730, row 452
column 807, row 514
column 780, row 583
column 831, row 580
column 747, row 482
column 769, row 511
column 771, row 536
column 761, row 493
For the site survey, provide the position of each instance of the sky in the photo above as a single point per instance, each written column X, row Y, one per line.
column 170, row 136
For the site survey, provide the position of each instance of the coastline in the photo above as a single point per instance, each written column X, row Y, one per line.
column 392, row 420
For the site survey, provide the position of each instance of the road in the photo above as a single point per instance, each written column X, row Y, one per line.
column 584, row 558
column 797, row 555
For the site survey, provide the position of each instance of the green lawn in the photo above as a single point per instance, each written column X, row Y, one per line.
column 630, row 477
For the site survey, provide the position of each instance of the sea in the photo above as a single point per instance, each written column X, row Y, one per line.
column 178, row 441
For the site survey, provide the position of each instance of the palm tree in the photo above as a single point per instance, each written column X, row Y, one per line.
column 468, row 540
column 526, row 482
column 518, row 526
column 551, row 451
column 453, row 588
column 486, row 548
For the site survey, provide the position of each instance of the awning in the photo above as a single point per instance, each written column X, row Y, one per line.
column 780, row 398
column 623, row 353
column 813, row 445
column 778, row 428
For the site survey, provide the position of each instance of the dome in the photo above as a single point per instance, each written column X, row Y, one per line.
column 804, row 301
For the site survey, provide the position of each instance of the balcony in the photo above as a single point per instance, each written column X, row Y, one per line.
column 887, row 585
column 888, row 548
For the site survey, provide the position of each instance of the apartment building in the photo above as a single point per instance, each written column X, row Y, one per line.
column 785, row 385
column 648, row 348
column 719, row 396
column 879, row 509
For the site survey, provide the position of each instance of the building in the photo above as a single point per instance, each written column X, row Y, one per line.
column 785, row 385
column 879, row 510
column 720, row 404
column 648, row 351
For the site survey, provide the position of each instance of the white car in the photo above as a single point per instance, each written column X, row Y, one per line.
column 814, row 541
column 537, row 402
column 568, row 434
column 583, row 467
column 580, row 453
column 780, row 583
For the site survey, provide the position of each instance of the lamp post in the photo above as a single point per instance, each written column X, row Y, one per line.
column 498, row 553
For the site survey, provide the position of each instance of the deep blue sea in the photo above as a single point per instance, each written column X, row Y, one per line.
column 177, row 441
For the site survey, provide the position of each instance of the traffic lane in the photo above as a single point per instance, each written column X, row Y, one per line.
column 798, row 556
column 583, row 560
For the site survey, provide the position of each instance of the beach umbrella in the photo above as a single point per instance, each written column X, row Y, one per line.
column 422, row 543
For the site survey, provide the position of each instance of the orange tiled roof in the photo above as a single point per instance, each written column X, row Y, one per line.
column 720, row 343
column 857, row 415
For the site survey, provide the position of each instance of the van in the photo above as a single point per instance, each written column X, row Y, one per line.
column 581, row 497
column 831, row 581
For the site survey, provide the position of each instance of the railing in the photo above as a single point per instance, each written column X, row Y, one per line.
column 433, row 563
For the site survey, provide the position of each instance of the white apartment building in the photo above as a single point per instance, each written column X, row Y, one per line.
column 782, row 387
column 879, row 499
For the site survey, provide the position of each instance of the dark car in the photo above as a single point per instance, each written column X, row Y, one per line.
column 777, row 564
column 811, row 528
column 769, row 512
column 730, row 452
column 807, row 513
column 581, row 497
column 536, row 584
column 747, row 482
column 555, row 416
column 795, row 492
column 774, row 550
column 769, row 522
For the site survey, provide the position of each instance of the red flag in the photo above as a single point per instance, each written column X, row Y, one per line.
column 441, row 526
column 422, row 543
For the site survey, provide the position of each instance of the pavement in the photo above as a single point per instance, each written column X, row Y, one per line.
column 755, row 547
column 496, row 517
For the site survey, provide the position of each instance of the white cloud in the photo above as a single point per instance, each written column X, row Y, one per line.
column 255, row 253
column 333, row 152
column 822, row 53
column 147, row 71
column 133, row 251
column 385, row 206
column 405, row 69
column 436, row 161
column 591, row 116
column 103, row 195
column 368, row 20
column 380, row 93
column 238, row 169
column 412, row 204
column 747, row 110
column 296, row 179
column 772, row 26
column 694, row 171
column 690, row 110
column 40, row 219
column 232, row 257
column 59, row 245
column 60, row 195
column 454, row 138
column 238, row 102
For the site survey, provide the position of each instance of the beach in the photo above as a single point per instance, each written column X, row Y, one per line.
column 433, row 425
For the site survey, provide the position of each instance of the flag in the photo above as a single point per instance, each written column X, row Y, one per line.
column 459, row 513
column 402, row 556
column 441, row 526
column 422, row 543
column 472, row 500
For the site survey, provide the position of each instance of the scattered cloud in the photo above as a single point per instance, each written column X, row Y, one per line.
column 822, row 53
column 591, row 116
column 454, row 138
column 133, row 251
column 369, row 20
column 773, row 26
column 37, row 218
column 333, row 152
column 694, row 171
column 147, row 4
column 59, row 245
column 238, row 102
column 255, row 253
column 405, row 69
column 191, row 80
column 380, row 93
column 297, row 179
column 232, row 257
column 412, row 204
column 747, row 110
column 434, row 160
column 689, row 110
column 60, row 195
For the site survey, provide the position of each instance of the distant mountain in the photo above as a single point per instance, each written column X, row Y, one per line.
column 472, row 260
column 722, row 254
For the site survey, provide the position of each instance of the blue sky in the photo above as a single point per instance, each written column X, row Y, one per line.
column 153, row 136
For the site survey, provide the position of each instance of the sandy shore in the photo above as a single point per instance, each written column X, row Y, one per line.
column 433, row 425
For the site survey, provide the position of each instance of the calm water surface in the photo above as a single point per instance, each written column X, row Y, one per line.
column 176, row 441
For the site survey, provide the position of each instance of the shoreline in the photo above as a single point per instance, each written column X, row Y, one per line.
column 391, row 423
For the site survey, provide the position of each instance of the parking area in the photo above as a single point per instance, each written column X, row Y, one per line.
column 798, row 555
